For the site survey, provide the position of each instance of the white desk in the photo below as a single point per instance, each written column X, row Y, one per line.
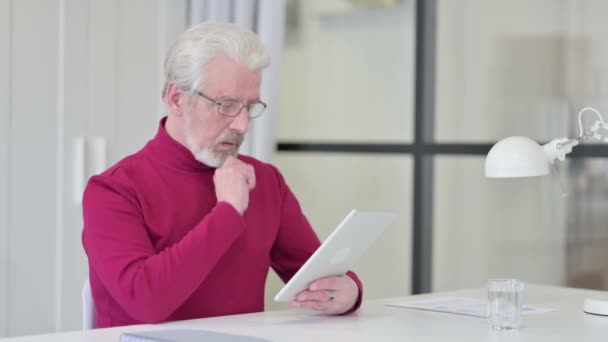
column 377, row 322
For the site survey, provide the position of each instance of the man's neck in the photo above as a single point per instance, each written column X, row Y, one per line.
column 175, row 130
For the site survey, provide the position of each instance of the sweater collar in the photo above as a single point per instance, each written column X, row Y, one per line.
column 169, row 151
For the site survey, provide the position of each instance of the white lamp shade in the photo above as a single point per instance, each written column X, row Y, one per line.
column 516, row 157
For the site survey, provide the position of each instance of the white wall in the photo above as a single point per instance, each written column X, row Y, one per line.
column 349, row 74
column 33, row 166
column 518, row 67
column 70, row 69
column 4, row 150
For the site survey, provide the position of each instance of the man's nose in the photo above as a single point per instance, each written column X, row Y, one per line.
column 240, row 123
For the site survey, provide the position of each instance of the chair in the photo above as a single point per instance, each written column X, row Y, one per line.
column 89, row 317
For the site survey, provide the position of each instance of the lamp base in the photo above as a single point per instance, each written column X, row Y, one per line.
column 596, row 307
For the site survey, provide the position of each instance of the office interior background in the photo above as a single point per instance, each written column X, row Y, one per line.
column 375, row 104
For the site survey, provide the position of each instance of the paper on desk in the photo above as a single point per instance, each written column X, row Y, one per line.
column 463, row 306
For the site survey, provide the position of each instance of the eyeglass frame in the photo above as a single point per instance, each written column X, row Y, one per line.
column 219, row 104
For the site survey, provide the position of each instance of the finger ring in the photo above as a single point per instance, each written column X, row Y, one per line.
column 332, row 295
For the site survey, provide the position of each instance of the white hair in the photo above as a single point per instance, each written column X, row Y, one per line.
column 201, row 43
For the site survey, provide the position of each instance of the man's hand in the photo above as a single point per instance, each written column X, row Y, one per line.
column 233, row 181
column 331, row 295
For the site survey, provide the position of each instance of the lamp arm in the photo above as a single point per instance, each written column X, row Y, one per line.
column 558, row 148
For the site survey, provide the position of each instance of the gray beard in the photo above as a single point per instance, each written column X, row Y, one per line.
column 206, row 155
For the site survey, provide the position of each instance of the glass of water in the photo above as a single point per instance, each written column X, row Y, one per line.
column 505, row 298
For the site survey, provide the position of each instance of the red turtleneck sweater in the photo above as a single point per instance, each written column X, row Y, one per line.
column 161, row 248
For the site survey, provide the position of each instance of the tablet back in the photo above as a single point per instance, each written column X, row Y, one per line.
column 340, row 251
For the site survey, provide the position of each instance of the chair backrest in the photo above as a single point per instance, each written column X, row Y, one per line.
column 89, row 317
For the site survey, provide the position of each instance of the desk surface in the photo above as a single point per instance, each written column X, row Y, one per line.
column 377, row 322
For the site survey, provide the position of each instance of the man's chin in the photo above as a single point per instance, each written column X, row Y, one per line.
column 223, row 153
column 216, row 159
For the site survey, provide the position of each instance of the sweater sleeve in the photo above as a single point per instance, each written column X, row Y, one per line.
column 149, row 285
column 297, row 241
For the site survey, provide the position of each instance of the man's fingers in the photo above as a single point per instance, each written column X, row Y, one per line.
column 331, row 295
column 229, row 161
column 320, row 296
column 246, row 170
column 329, row 283
column 233, row 181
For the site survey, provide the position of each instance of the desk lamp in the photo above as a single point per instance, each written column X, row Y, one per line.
column 522, row 157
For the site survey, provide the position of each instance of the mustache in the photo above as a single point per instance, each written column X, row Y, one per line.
column 231, row 137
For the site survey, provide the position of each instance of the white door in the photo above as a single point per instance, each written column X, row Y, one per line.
column 82, row 80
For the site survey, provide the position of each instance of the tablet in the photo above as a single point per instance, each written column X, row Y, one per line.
column 340, row 251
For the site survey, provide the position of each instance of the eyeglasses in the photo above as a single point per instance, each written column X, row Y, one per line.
column 233, row 108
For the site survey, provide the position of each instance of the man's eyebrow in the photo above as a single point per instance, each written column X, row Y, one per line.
column 227, row 98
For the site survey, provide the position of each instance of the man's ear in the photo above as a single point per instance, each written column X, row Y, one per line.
column 175, row 99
